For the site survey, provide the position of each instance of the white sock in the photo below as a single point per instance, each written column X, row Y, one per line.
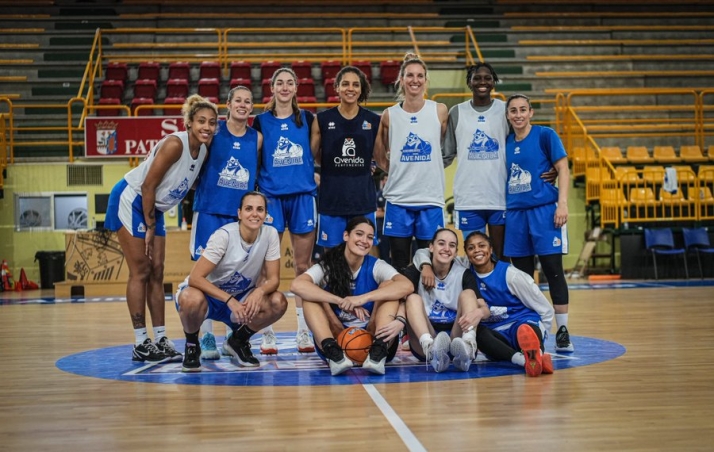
column 267, row 329
column 159, row 332
column 302, row 325
column 425, row 337
column 470, row 337
column 207, row 326
column 561, row 320
column 140, row 335
column 518, row 359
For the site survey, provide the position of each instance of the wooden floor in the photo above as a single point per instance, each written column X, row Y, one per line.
column 659, row 395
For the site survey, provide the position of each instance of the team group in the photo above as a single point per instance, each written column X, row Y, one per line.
column 449, row 307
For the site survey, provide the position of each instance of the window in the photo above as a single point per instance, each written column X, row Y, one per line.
column 48, row 211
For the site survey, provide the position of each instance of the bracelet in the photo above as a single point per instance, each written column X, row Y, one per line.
column 150, row 226
column 400, row 319
column 229, row 299
column 425, row 263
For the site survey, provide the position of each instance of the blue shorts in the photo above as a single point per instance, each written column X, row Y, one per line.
column 217, row 309
column 532, row 232
column 412, row 221
column 124, row 208
column 203, row 226
column 476, row 220
column 297, row 212
column 331, row 228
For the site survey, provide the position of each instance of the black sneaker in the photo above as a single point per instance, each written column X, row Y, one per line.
column 191, row 358
column 147, row 351
column 167, row 348
column 562, row 340
column 335, row 357
column 377, row 357
column 241, row 351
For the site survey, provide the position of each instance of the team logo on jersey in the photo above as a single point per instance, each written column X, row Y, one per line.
column 107, row 143
column 283, row 127
column 238, row 283
column 310, row 223
column 366, row 126
column 483, row 147
column 517, row 150
column 519, row 180
column 178, row 193
column 388, row 225
column 557, row 242
column 233, row 175
column 481, row 118
column 441, row 314
column 349, row 158
column 498, row 314
column 482, row 287
column 440, row 285
column 236, row 145
column 331, row 125
column 287, row 153
column 416, row 149
column 323, row 235
column 141, row 227
column 413, row 120
column 268, row 219
column 199, row 251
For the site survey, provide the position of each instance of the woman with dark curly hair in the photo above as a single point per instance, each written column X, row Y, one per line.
column 348, row 287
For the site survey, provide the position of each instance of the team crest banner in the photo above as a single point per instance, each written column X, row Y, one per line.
column 124, row 137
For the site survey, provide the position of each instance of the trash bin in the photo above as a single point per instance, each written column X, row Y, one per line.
column 51, row 267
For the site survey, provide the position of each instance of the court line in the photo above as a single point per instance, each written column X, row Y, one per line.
column 397, row 423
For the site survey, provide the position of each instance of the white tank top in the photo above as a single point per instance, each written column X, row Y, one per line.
column 442, row 302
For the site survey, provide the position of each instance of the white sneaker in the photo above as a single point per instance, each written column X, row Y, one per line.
column 339, row 367
column 208, row 347
column 463, row 353
column 304, row 342
column 440, row 352
column 269, row 344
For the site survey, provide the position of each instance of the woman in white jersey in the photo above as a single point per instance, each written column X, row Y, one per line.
column 226, row 285
column 453, row 308
column 408, row 147
column 136, row 210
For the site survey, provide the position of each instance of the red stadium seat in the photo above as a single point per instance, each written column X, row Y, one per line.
column 209, row 69
column 180, row 70
column 137, row 101
column 240, row 69
column 209, row 87
column 306, row 87
column 307, row 100
column 330, row 69
column 266, row 88
column 366, row 67
column 148, row 70
column 240, row 82
column 116, row 71
column 330, row 88
column 303, row 69
column 111, row 89
column 267, row 68
column 177, row 87
column 109, row 111
column 174, row 111
column 145, row 88
column 389, row 71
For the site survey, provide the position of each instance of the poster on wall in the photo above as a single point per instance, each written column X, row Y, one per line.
column 122, row 137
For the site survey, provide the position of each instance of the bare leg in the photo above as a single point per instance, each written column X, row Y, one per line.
column 417, row 322
column 497, row 233
column 139, row 270
column 155, row 286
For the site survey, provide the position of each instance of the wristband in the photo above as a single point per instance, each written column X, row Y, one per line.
column 400, row 319
column 425, row 263
column 229, row 299
column 150, row 226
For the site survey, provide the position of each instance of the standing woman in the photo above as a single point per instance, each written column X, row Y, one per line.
column 136, row 210
column 229, row 173
column 286, row 177
column 348, row 287
column 536, row 211
column 343, row 143
column 409, row 149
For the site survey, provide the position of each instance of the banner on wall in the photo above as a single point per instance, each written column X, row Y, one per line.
column 124, row 137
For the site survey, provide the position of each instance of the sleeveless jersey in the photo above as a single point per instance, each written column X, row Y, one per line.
column 230, row 172
column 239, row 269
column 287, row 166
column 416, row 169
column 442, row 302
column 504, row 306
column 525, row 161
column 346, row 185
column 480, row 180
column 178, row 179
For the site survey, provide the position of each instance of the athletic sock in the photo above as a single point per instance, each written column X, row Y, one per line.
column 207, row 326
column 243, row 333
column 518, row 359
column 159, row 332
column 192, row 338
column 561, row 320
column 140, row 335
column 302, row 325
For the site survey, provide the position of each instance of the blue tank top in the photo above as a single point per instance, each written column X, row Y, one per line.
column 526, row 160
column 504, row 306
column 287, row 166
column 230, row 171
column 364, row 283
column 346, row 185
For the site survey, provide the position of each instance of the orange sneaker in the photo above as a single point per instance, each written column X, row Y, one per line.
column 547, row 363
column 530, row 346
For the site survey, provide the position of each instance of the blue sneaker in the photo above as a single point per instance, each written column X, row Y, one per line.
column 208, row 347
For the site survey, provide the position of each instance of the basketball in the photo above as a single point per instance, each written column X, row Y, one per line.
column 356, row 343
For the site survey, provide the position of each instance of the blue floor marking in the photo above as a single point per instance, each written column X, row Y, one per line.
column 290, row 368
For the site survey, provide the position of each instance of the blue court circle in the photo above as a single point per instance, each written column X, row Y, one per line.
column 290, row 368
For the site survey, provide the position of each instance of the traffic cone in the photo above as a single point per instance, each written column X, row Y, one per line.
column 25, row 283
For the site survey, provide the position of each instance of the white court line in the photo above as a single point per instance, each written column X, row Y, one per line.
column 398, row 424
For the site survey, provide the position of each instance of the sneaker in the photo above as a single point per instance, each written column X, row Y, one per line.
column 147, row 351
column 208, row 347
column 269, row 344
column 224, row 349
column 404, row 345
column 440, row 352
column 336, row 358
column 241, row 351
column 426, row 346
column 530, row 346
column 463, row 354
column 547, row 363
column 377, row 357
column 562, row 340
column 304, row 342
column 168, row 349
column 192, row 358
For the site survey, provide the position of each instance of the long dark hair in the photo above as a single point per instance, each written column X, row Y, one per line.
column 337, row 272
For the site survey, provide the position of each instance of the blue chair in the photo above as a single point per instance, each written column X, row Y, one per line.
column 661, row 241
column 697, row 239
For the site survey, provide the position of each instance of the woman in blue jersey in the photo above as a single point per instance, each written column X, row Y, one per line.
column 520, row 315
column 343, row 143
column 227, row 284
column 453, row 308
column 348, row 287
column 409, row 149
column 136, row 211
column 536, row 211
column 286, row 177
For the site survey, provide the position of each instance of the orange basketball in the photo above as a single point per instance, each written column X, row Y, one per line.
column 356, row 343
